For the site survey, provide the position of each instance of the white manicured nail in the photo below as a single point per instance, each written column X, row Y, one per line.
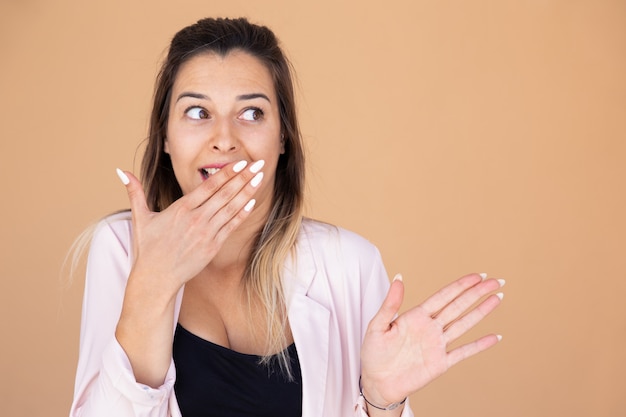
column 256, row 180
column 501, row 282
column 256, row 167
column 500, row 295
column 398, row 277
column 240, row 166
column 499, row 336
column 250, row 204
column 123, row 177
column 483, row 275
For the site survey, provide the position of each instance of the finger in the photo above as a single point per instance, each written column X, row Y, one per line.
column 390, row 307
column 463, row 352
column 229, row 199
column 136, row 196
column 443, row 297
column 465, row 323
column 229, row 226
column 223, row 213
column 217, row 181
column 459, row 305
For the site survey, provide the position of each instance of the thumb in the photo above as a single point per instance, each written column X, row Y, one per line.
column 136, row 196
column 390, row 307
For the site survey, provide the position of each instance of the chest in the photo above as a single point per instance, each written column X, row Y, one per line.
column 224, row 315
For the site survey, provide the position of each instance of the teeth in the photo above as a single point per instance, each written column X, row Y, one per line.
column 210, row 171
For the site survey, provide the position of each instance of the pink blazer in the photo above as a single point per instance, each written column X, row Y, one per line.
column 335, row 285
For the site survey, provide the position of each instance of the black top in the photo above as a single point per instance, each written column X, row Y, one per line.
column 214, row 381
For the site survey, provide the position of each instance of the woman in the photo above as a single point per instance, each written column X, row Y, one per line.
column 216, row 297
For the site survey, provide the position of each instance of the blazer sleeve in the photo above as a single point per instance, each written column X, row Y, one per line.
column 374, row 292
column 105, row 384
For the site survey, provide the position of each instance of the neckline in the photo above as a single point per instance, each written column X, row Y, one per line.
column 291, row 349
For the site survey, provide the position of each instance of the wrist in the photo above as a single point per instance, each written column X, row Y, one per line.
column 151, row 286
column 377, row 401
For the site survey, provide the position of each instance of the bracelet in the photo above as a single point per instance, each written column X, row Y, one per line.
column 390, row 407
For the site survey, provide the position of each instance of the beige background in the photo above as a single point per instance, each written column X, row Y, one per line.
column 457, row 135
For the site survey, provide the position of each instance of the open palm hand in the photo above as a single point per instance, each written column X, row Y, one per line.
column 401, row 354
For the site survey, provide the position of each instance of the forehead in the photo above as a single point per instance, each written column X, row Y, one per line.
column 235, row 73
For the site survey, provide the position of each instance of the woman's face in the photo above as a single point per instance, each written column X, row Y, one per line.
column 223, row 110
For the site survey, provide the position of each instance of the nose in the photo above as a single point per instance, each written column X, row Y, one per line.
column 223, row 137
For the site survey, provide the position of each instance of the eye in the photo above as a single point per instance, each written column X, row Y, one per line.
column 196, row 113
column 252, row 114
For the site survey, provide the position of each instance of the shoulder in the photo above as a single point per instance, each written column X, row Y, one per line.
column 333, row 240
column 110, row 256
column 340, row 269
column 113, row 233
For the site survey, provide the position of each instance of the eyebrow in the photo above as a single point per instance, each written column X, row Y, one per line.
column 253, row 96
column 192, row 95
column 240, row 97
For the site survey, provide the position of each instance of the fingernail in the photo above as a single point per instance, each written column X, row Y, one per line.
column 239, row 166
column 250, row 204
column 500, row 295
column 398, row 277
column 256, row 180
column 123, row 177
column 501, row 282
column 499, row 336
column 256, row 167
column 483, row 275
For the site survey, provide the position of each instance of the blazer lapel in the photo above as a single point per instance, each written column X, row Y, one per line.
column 310, row 326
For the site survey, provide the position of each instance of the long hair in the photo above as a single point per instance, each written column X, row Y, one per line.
column 262, row 277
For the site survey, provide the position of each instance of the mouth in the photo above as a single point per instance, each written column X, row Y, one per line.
column 207, row 172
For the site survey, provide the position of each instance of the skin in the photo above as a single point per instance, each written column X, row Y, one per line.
column 224, row 109
column 208, row 230
column 403, row 353
column 215, row 119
